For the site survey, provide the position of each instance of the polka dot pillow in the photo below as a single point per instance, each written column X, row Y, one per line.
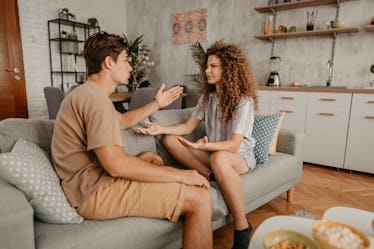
column 28, row 168
column 264, row 128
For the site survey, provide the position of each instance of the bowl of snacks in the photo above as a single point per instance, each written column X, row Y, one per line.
column 336, row 235
column 287, row 239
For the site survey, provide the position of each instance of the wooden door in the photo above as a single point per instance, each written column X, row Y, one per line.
column 13, row 102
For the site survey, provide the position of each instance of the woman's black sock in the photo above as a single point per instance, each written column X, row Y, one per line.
column 241, row 238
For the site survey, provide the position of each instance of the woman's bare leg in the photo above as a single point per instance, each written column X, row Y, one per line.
column 227, row 168
column 192, row 159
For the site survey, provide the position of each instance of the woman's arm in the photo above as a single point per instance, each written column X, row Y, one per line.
column 231, row 145
column 179, row 129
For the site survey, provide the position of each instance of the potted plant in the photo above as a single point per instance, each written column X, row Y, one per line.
column 140, row 62
column 198, row 55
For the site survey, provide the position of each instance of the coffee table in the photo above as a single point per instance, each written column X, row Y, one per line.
column 360, row 219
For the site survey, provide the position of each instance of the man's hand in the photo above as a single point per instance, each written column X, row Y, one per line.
column 165, row 98
column 151, row 129
column 192, row 177
column 198, row 145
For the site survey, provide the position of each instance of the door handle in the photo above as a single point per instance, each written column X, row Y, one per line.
column 13, row 70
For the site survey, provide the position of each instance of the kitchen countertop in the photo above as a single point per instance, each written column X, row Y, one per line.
column 316, row 89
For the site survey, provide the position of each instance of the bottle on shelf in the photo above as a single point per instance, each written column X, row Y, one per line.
column 270, row 25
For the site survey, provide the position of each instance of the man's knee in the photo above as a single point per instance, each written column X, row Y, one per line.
column 197, row 199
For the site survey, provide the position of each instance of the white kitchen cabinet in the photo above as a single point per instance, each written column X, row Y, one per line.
column 326, row 128
column 263, row 98
column 293, row 104
column 360, row 143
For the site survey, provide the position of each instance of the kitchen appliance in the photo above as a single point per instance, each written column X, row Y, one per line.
column 274, row 79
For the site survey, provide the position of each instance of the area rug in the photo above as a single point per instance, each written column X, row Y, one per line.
column 305, row 214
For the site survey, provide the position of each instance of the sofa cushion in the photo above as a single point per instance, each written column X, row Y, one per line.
column 28, row 168
column 33, row 130
column 135, row 143
column 264, row 128
column 129, row 232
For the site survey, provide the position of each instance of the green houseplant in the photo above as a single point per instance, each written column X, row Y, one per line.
column 198, row 55
column 140, row 62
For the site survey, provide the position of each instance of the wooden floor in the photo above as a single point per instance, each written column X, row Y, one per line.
column 320, row 189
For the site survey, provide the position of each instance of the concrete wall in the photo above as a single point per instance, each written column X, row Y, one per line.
column 303, row 59
column 236, row 21
column 34, row 15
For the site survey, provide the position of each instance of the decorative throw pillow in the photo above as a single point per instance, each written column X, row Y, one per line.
column 264, row 128
column 28, row 168
column 273, row 145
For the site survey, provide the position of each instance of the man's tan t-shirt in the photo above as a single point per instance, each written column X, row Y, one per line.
column 86, row 121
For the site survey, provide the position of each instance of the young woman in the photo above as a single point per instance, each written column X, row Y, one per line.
column 227, row 106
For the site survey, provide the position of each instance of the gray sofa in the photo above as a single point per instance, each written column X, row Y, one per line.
column 19, row 229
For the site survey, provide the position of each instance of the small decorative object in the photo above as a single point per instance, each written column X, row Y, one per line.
column 64, row 35
column 311, row 19
column 372, row 68
column 282, row 29
column 263, row 26
column 287, row 1
column 271, row 2
column 372, row 21
column 139, row 61
column 270, row 25
column 337, row 24
column 92, row 21
column 66, row 15
column 292, row 29
column 73, row 36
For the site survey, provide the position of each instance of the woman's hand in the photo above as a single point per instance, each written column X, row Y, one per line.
column 151, row 129
column 165, row 98
column 198, row 145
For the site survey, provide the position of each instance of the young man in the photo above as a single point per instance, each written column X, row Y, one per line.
column 98, row 177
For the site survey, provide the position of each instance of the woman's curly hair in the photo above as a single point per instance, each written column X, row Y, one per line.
column 238, row 78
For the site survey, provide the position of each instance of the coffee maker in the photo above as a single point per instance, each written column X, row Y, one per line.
column 274, row 79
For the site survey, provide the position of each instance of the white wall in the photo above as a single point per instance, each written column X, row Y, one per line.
column 34, row 15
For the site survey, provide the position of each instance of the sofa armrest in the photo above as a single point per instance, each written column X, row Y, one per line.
column 16, row 218
column 290, row 142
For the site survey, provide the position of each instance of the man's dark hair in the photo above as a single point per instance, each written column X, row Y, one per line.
column 100, row 45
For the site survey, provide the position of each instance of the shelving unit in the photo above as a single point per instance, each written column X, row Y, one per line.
column 303, row 4
column 59, row 55
column 369, row 28
column 296, row 5
column 325, row 32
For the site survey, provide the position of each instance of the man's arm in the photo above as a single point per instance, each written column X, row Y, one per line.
column 120, row 164
column 162, row 99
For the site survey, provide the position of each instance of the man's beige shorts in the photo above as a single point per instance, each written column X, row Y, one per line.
column 124, row 198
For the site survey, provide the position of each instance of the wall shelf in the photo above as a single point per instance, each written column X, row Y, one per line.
column 296, row 5
column 324, row 32
column 65, row 47
column 369, row 28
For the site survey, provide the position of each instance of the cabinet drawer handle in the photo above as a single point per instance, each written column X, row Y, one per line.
column 323, row 99
column 369, row 117
column 370, row 102
column 326, row 114
column 288, row 98
column 286, row 111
